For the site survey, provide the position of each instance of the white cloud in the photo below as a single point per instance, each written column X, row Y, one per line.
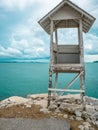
column 91, row 58
column 12, row 4
column 28, row 40
column 22, row 4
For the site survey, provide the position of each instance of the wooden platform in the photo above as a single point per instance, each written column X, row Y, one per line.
column 68, row 68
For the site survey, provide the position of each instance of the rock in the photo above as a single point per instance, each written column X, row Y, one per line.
column 57, row 111
column 28, row 105
column 63, row 106
column 86, row 127
column 72, row 117
column 96, row 116
column 84, row 115
column 78, row 101
column 52, row 107
column 96, row 123
column 91, row 128
column 96, row 108
column 15, row 100
column 88, row 120
column 67, row 108
column 60, row 114
column 65, row 116
column 78, row 113
column 44, row 110
column 79, row 119
column 81, row 127
column 86, row 124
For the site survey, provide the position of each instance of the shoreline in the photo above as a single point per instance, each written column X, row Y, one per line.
column 68, row 108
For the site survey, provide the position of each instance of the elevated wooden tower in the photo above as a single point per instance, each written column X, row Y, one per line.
column 67, row 58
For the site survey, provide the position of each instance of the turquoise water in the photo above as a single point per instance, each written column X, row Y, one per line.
column 22, row 79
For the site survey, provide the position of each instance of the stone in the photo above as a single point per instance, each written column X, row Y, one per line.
column 86, row 124
column 65, row 116
column 96, row 116
column 57, row 111
column 28, row 105
column 52, row 107
column 72, row 117
column 79, row 119
column 86, row 127
column 63, row 106
column 84, row 115
column 91, row 128
column 88, row 120
column 44, row 110
column 15, row 100
column 81, row 127
column 96, row 108
column 78, row 113
column 96, row 123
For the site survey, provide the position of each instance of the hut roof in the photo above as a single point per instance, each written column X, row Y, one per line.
column 67, row 14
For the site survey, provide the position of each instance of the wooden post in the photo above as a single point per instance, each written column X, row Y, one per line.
column 82, row 77
column 51, row 62
column 56, row 40
column 51, row 44
column 50, row 86
column 55, row 84
column 56, row 37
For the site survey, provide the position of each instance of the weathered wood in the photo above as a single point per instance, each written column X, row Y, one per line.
column 83, row 93
column 70, row 49
column 56, row 37
column 65, row 90
column 68, row 58
column 50, row 86
column 67, row 24
column 81, row 42
column 66, row 12
column 56, row 83
column 71, row 83
column 51, row 44
column 67, row 68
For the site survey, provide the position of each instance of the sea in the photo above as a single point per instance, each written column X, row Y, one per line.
column 22, row 79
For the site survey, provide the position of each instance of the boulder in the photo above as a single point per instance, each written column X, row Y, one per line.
column 15, row 100
column 65, row 116
column 52, row 107
column 78, row 113
column 44, row 110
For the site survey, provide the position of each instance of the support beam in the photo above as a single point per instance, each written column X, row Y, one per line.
column 50, row 86
column 51, row 62
column 66, row 90
column 55, row 84
column 56, row 37
column 51, row 43
column 71, row 83
column 82, row 79
column 80, row 35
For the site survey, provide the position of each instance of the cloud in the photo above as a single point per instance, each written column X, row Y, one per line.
column 23, row 4
column 19, row 4
column 91, row 58
column 91, row 44
column 25, row 44
column 28, row 40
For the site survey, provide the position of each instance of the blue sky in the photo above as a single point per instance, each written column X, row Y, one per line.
column 22, row 38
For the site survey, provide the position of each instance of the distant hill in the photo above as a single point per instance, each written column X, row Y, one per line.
column 95, row 62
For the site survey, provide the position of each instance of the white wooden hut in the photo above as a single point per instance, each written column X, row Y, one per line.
column 67, row 58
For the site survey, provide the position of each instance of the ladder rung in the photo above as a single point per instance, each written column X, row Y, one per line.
column 65, row 90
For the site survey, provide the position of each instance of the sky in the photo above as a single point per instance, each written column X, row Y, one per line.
column 23, row 39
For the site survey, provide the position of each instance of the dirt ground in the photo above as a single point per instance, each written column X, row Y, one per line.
column 20, row 111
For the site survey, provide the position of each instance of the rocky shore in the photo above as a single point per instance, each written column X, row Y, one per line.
column 66, row 107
